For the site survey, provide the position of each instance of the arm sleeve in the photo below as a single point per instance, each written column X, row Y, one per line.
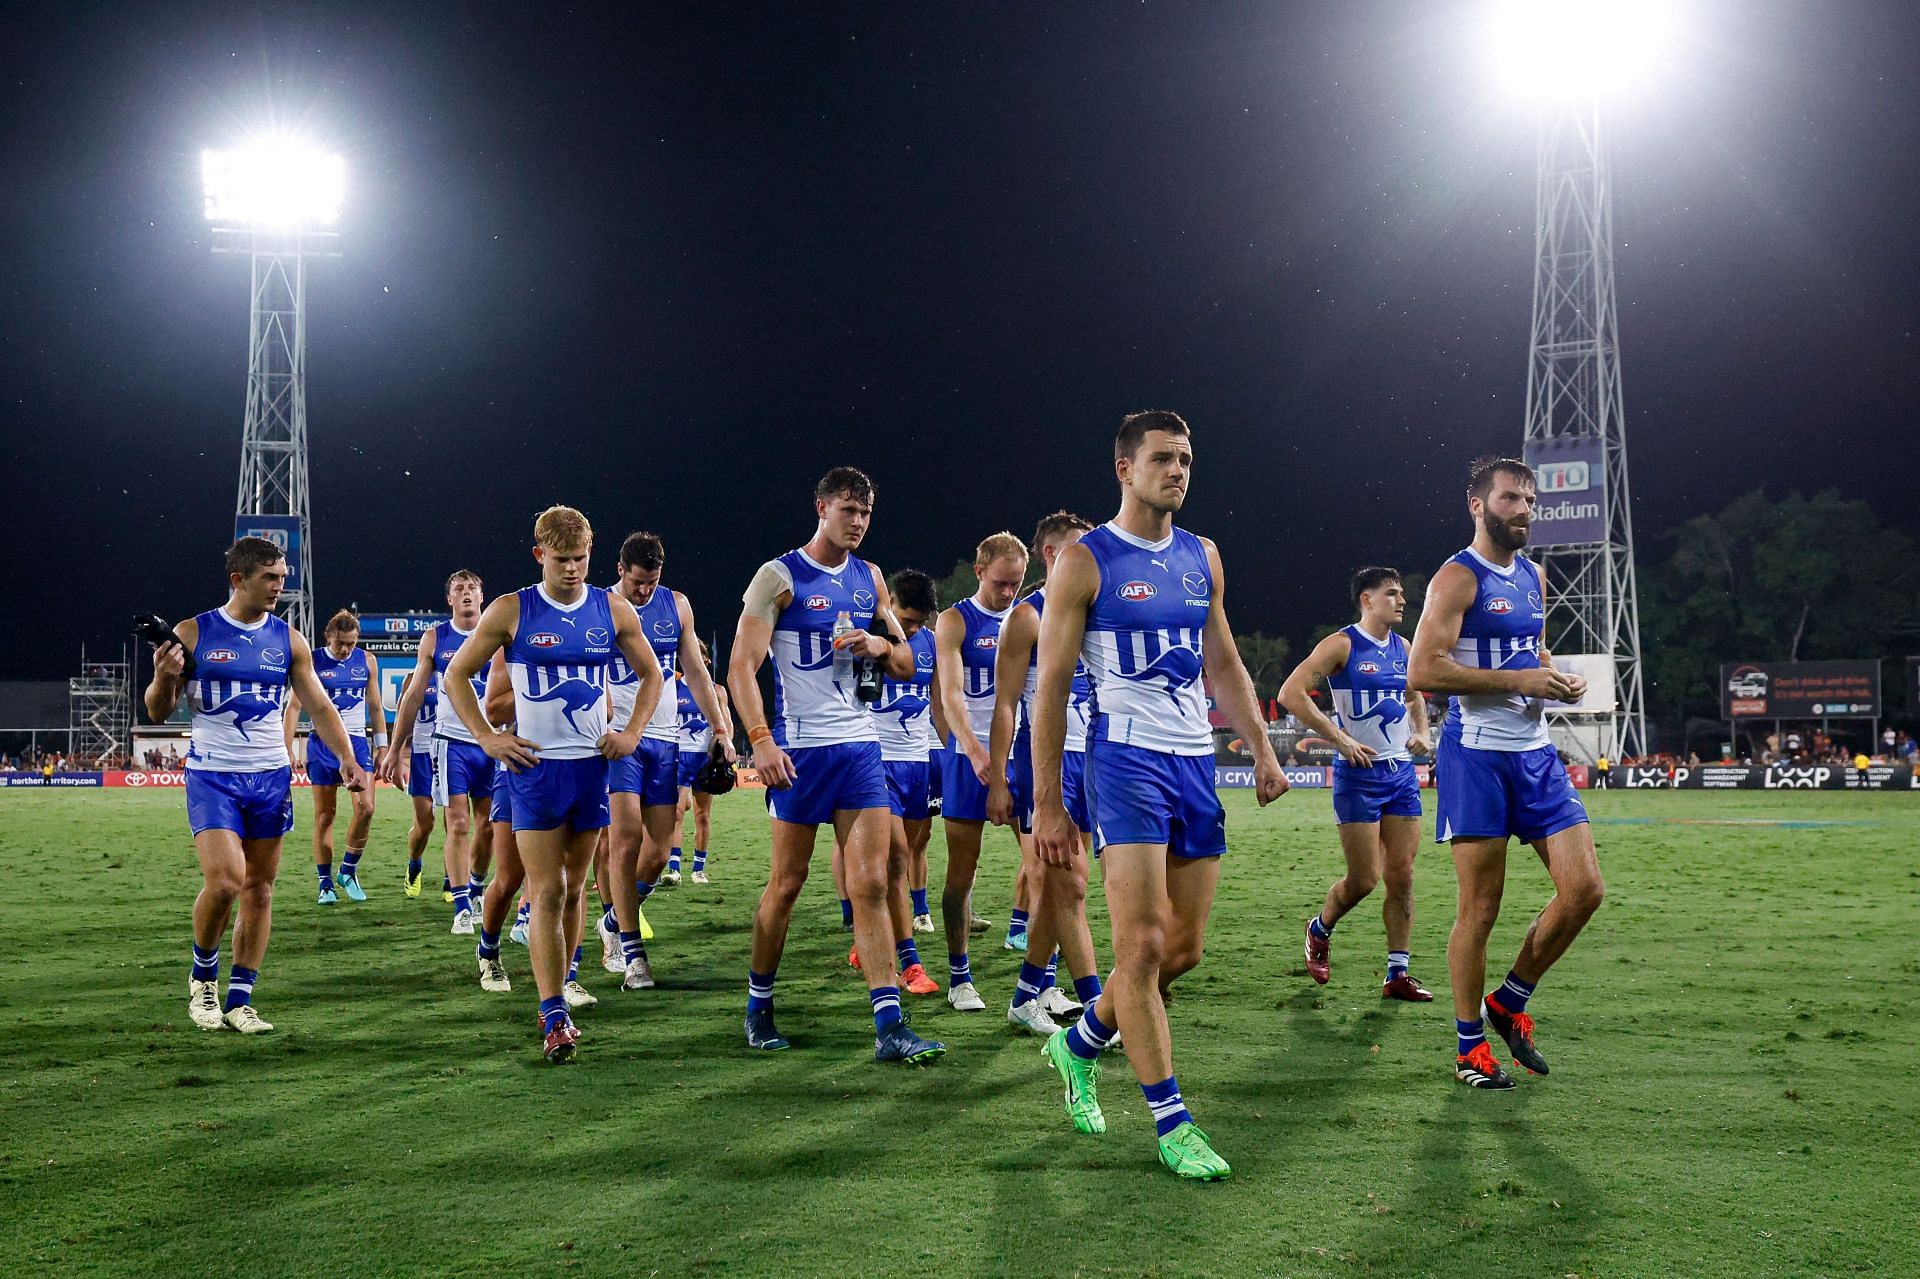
column 762, row 597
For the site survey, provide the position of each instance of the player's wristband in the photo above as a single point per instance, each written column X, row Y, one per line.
column 759, row 733
column 380, row 740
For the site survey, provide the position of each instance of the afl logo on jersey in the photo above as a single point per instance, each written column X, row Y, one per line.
column 221, row 655
column 543, row 639
column 1367, row 667
column 1499, row 604
column 1137, row 592
column 818, row 603
column 986, row 641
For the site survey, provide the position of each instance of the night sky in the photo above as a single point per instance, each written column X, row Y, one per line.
column 669, row 262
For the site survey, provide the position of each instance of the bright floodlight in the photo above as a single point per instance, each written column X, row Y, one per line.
column 1578, row 48
column 276, row 183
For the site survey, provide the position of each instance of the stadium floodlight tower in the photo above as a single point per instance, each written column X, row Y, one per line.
column 275, row 199
column 1569, row 57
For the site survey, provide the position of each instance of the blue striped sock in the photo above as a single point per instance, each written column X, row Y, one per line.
column 476, row 889
column 325, row 872
column 642, row 892
column 673, row 858
column 1471, row 1034
column 1169, row 1112
column 1087, row 989
column 461, row 900
column 1089, row 1036
column 1028, row 987
column 1396, row 964
column 759, row 992
column 609, row 919
column 1052, row 976
column 1513, row 994
column 958, row 970
column 699, row 859
column 573, row 966
column 920, row 901
column 489, row 947
column 350, row 864
column 631, row 947
column 1017, row 923
column 413, row 867
column 240, row 986
column 886, row 1007
column 846, row 910
column 1319, row 929
column 206, row 963
column 525, row 913
column 906, row 954
column 553, row 1014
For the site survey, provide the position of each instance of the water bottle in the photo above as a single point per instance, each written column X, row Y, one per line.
column 843, row 659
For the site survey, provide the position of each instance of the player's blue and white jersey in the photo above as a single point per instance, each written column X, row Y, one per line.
column 237, row 694
column 1143, row 645
column 345, row 679
column 1369, row 694
column 660, row 623
column 423, row 721
column 558, row 659
column 1079, row 693
column 696, row 734
column 810, row 707
column 979, row 651
column 1500, row 632
column 904, row 712
column 447, row 639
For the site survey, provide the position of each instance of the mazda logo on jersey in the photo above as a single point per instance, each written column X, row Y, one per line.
column 663, row 628
column 543, row 639
column 1195, row 583
column 863, row 599
column 818, row 603
column 596, row 635
column 924, row 661
column 1533, row 598
column 1499, row 604
column 1137, row 592
column 221, row 655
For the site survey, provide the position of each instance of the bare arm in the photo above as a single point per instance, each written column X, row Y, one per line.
column 1419, row 741
column 290, row 721
column 1018, row 635
column 639, row 653
column 1431, row 667
column 898, row 659
column 326, row 720
column 493, row 632
column 752, row 639
column 1070, row 590
column 162, row 697
column 413, row 695
column 376, row 713
column 1328, row 656
column 499, row 703
column 1233, row 689
column 949, row 633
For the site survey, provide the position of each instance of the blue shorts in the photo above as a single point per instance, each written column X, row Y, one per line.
column 502, row 809
column 252, row 805
column 461, row 768
column 652, row 772
column 560, row 792
column 828, row 780
column 1388, row 788
column 908, row 788
column 1139, row 796
column 937, row 772
column 420, row 776
column 1073, row 784
column 1493, row 794
column 963, row 798
column 323, row 766
column 691, row 762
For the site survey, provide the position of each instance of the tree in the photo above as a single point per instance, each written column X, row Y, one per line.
column 1265, row 657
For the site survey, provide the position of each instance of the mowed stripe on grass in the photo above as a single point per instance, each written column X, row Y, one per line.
column 1733, row 1091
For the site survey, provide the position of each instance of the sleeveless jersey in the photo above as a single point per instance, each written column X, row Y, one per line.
column 695, row 733
column 237, row 693
column 1369, row 694
column 904, row 712
column 558, row 659
column 1079, row 693
column 1143, row 642
column 423, row 722
column 1500, row 631
column 345, row 679
column 979, row 649
column 447, row 639
column 810, row 708
column 660, row 623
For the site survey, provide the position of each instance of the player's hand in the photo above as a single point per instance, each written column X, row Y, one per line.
column 352, row 776
column 1056, row 838
column 1353, row 752
column 516, row 752
column 619, row 745
column 978, row 758
column 169, row 660
column 1418, row 744
column 1269, row 782
column 1579, row 683
column 1549, row 685
column 999, row 802
column 865, row 644
column 391, row 766
column 726, row 747
column 774, row 765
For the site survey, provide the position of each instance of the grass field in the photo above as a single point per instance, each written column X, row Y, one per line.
column 1735, row 1089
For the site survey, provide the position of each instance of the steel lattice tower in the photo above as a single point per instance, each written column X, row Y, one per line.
column 1573, row 392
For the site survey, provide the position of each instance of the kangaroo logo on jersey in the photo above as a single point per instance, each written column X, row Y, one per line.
column 221, row 655
column 1195, row 583
column 1137, row 592
column 1387, row 710
column 908, row 706
column 1499, row 604
column 818, row 603
column 574, row 695
column 1178, row 666
column 597, row 635
column 543, row 639
column 246, row 708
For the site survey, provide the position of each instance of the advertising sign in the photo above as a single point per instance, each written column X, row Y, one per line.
column 283, row 531
column 1800, row 690
column 60, row 781
column 1776, row 777
column 1570, row 475
column 1598, row 670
